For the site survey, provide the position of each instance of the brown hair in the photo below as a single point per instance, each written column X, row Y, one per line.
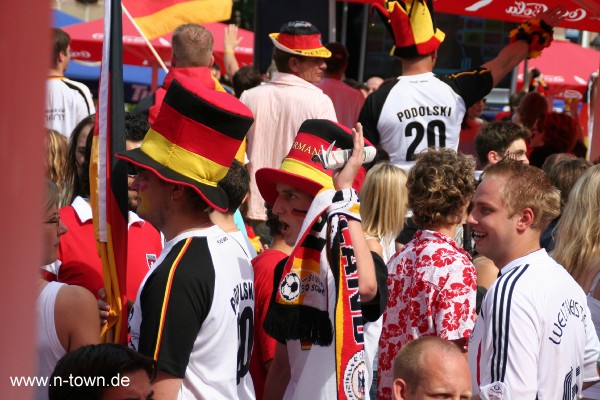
column 564, row 175
column 559, row 130
column 440, row 184
column 60, row 43
column 192, row 46
column 497, row 136
column 531, row 108
column 529, row 188
column 281, row 60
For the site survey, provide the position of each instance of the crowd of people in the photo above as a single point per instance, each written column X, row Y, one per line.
column 445, row 267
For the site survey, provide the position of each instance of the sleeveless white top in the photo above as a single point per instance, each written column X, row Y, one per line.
column 49, row 349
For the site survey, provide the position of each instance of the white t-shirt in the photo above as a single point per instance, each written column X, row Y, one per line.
column 67, row 103
column 534, row 335
column 312, row 368
column 197, row 304
column 414, row 112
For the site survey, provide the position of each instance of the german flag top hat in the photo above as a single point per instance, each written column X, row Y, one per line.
column 299, row 170
column 412, row 25
column 194, row 139
column 300, row 38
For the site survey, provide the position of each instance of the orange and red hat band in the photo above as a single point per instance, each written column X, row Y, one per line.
column 307, row 145
column 300, row 42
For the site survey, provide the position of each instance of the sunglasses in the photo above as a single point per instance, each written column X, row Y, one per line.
column 132, row 170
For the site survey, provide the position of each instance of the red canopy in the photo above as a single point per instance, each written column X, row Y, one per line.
column 582, row 14
column 86, row 44
column 565, row 65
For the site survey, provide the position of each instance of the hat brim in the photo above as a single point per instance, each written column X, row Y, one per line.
column 214, row 196
column 268, row 178
column 321, row 52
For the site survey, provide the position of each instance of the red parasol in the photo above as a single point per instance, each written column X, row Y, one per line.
column 565, row 65
column 86, row 44
column 582, row 14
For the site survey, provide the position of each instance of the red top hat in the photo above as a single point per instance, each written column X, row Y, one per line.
column 299, row 170
column 194, row 139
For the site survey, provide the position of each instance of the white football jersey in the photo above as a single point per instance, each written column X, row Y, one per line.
column 415, row 112
column 534, row 337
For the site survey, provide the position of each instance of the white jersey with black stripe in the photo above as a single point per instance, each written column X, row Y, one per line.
column 67, row 103
column 414, row 112
column 534, row 337
column 194, row 314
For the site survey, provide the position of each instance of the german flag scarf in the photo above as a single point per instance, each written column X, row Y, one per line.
column 300, row 308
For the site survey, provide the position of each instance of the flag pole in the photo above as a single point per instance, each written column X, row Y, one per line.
column 150, row 46
column 108, row 175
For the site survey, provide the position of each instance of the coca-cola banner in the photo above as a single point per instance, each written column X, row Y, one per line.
column 583, row 15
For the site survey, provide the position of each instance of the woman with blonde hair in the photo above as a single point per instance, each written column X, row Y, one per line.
column 578, row 244
column 67, row 316
column 383, row 205
column 383, row 199
column 57, row 148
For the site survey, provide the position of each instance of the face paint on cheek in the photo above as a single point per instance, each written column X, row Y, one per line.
column 299, row 213
column 143, row 185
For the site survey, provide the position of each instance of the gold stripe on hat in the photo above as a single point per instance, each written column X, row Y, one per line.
column 307, row 171
column 182, row 161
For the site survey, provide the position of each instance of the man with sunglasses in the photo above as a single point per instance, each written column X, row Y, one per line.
column 81, row 264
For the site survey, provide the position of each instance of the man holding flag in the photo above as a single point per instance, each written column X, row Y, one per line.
column 108, row 177
column 196, row 305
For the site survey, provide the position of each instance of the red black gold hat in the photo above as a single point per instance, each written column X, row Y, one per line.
column 298, row 169
column 301, row 38
column 194, row 139
column 412, row 25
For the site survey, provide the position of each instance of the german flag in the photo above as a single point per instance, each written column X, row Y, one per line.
column 108, row 175
column 157, row 18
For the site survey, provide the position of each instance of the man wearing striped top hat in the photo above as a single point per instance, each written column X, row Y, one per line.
column 421, row 109
column 195, row 307
column 331, row 290
column 282, row 104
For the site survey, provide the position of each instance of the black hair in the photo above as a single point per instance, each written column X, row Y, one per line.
column 84, row 177
column 236, row 185
column 136, row 127
column 97, row 361
column 245, row 78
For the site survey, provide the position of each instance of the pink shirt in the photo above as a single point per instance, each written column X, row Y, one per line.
column 347, row 101
column 279, row 108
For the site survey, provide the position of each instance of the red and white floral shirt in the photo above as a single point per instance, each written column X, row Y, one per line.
column 432, row 287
